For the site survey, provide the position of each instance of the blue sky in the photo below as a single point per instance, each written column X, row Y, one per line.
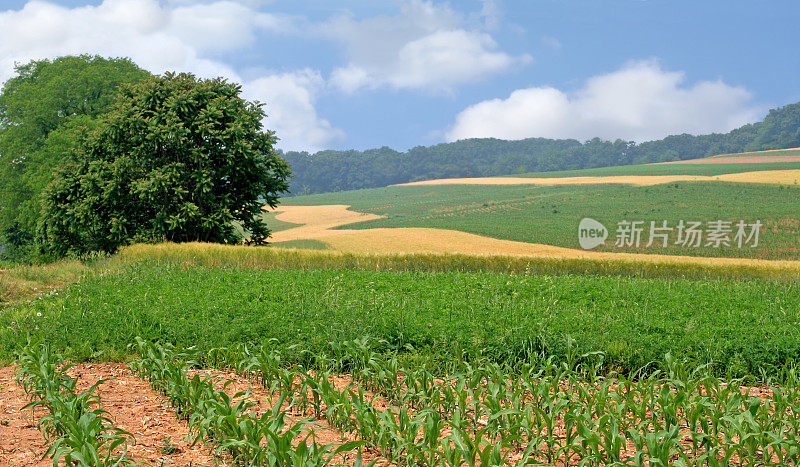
column 362, row 74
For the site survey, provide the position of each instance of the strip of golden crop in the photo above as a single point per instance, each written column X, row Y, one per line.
column 776, row 177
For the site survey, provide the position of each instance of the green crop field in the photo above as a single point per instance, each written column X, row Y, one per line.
column 550, row 215
column 648, row 369
column 742, row 328
column 276, row 225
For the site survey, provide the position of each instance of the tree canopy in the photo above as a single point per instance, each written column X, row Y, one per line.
column 177, row 158
column 44, row 110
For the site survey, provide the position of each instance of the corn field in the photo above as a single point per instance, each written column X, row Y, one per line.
column 481, row 413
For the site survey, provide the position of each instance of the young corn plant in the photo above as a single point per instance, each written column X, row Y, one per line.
column 482, row 413
column 229, row 422
column 79, row 432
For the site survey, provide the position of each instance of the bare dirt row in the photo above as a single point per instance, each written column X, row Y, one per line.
column 132, row 404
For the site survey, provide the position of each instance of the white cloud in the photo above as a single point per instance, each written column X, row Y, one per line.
column 639, row 102
column 221, row 26
column 168, row 36
column 424, row 47
column 290, row 109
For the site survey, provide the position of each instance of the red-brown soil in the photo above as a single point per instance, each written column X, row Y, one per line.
column 136, row 408
column 132, row 404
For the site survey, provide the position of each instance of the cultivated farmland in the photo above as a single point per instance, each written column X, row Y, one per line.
column 391, row 360
column 549, row 215
column 521, row 349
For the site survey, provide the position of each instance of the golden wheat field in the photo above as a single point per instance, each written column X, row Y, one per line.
column 318, row 222
column 777, row 177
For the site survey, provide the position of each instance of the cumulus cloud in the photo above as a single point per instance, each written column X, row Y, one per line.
column 424, row 47
column 169, row 36
column 639, row 102
column 221, row 26
column 290, row 105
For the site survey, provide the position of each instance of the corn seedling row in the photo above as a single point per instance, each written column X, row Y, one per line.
column 484, row 413
column 79, row 433
column 228, row 422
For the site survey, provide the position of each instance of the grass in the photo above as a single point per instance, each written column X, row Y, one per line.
column 301, row 244
column 20, row 281
column 276, row 225
column 213, row 255
column 744, row 328
column 550, row 215
column 25, row 283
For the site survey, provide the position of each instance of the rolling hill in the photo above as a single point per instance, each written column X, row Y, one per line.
column 539, row 213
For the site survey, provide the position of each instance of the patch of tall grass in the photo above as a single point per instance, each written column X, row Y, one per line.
column 237, row 256
column 301, row 244
column 20, row 280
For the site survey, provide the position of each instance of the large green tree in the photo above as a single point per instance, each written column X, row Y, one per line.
column 176, row 159
column 44, row 110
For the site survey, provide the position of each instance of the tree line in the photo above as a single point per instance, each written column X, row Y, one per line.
column 328, row 171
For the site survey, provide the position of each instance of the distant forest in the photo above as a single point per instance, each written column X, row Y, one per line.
column 328, row 171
